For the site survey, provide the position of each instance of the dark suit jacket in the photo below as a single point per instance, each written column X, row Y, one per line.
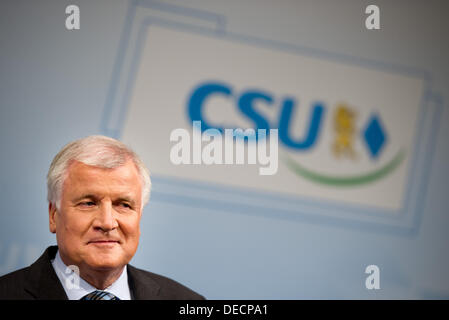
column 39, row 281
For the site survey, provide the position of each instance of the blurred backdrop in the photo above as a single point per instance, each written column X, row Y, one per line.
column 362, row 117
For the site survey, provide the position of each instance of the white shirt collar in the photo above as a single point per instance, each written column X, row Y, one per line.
column 76, row 287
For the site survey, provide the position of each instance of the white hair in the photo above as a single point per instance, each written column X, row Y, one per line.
column 98, row 151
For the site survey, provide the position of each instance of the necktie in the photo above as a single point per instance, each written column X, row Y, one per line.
column 99, row 295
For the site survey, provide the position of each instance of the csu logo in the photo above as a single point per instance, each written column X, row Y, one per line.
column 346, row 141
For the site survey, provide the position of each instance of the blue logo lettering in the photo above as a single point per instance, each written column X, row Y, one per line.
column 245, row 104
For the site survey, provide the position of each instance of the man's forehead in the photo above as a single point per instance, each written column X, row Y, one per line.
column 126, row 169
column 98, row 195
column 93, row 177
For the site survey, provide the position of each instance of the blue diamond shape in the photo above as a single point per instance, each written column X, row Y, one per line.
column 375, row 136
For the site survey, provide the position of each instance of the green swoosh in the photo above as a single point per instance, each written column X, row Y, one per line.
column 345, row 181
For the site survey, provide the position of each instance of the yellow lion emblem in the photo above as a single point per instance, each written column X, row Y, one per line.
column 344, row 127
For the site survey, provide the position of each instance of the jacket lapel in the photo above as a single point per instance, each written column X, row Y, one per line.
column 41, row 280
column 141, row 285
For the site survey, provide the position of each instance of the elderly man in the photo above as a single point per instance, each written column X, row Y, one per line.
column 97, row 188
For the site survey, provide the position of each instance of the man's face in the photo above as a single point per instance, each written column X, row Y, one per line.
column 97, row 224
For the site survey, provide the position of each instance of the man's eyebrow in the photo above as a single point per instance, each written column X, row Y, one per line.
column 85, row 196
column 125, row 199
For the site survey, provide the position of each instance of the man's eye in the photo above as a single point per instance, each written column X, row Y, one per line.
column 87, row 204
column 125, row 205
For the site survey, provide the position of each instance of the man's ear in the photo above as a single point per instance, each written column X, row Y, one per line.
column 52, row 213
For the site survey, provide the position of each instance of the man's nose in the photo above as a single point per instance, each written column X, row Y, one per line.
column 105, row 220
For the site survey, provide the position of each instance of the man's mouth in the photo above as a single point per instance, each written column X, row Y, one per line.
column 104, row 242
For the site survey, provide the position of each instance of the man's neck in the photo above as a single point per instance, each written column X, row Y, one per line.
column 98, row 278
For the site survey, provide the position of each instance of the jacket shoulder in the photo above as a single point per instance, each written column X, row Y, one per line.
column 38, row 281
column 157, row 286
column 12, row 285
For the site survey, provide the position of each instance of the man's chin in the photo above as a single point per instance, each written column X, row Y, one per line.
column 105, row 259
column 104, row 264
